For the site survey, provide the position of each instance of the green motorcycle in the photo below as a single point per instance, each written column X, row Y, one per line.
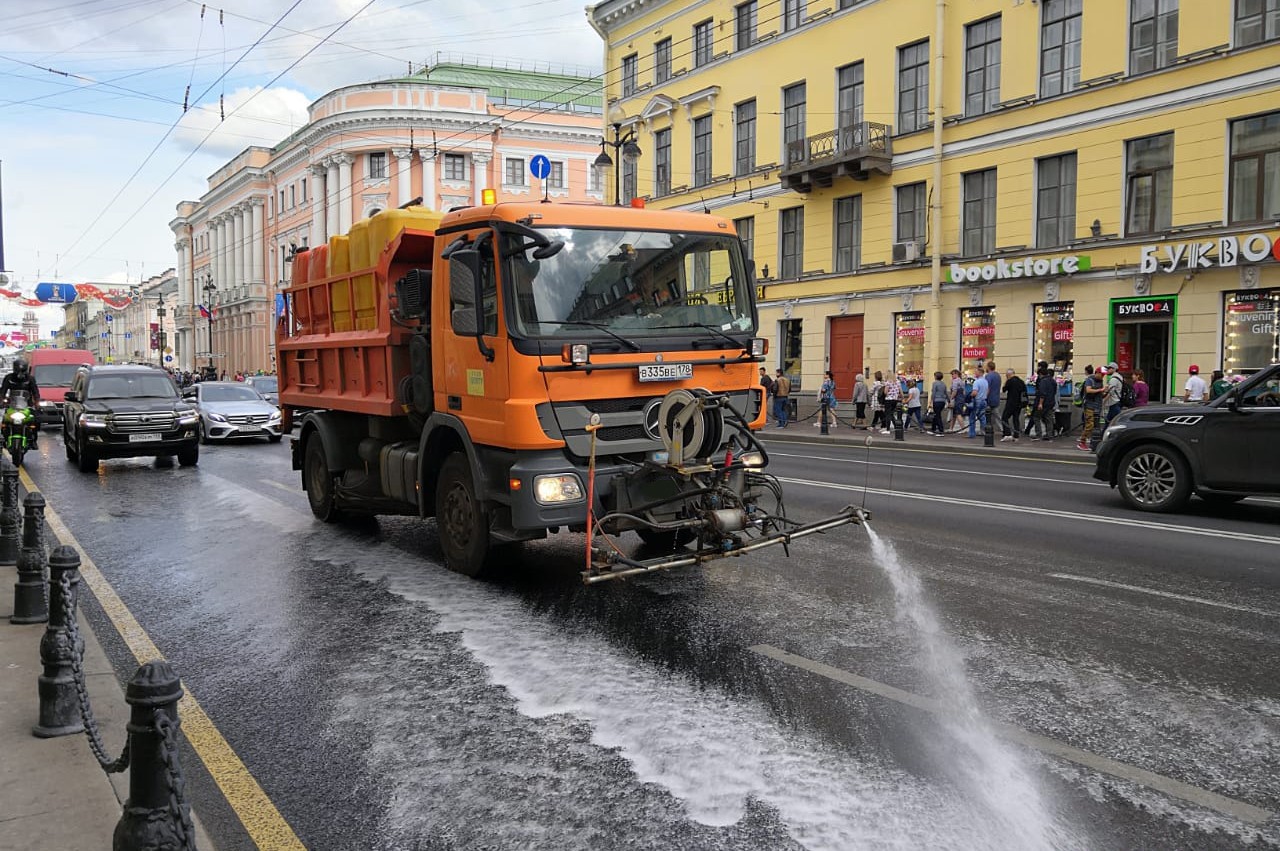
column 18, row 430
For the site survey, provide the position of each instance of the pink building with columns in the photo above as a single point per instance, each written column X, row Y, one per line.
column 443, row 135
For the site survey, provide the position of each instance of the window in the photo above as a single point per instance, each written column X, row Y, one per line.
column 744, row 137
column 792, row 338
column 848, row 218
column 1257, row 21
column 628, row 181
column 702, row 150
column 793, row 107
column 662, row 166
column 1255, row 168
column 662, row 61
column 1060, row 34
column 293, row 196
column 913, row 87
column 910, row 213
column 1149, row 184
column 1153, row 34
column 977, row 338
column 791, row 246
column 377, row 166
column 455, row 167
column 1055, row 200
column 593, row 177
column 1055, row 334
column 908, row 351
column 304, row 190
column 1251, row 331
column 982, row 66
column 745, row 18
column 555, row 179
column 515, row 172
column 280, row 206
column 702, row 43
column 850, row 99
column 629, row 75
column 792, row 14
column 978, row 230
column 746, row 228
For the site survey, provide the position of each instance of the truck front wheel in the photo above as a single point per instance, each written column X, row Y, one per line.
column 461, row 518
column 319, row 480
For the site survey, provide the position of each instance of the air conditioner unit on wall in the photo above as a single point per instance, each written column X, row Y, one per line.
column 907, row 252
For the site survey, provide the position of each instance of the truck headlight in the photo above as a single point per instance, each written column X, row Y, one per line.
column 759, row 347
column 752, row 459
column 560, row 488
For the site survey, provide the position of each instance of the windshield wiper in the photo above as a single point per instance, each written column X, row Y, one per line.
column 713, row 329
column 600, row 326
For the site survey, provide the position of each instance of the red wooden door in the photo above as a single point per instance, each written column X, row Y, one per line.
column 846, row 353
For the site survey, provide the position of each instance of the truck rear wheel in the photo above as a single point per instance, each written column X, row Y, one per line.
column 319, row 481
column 461, row 518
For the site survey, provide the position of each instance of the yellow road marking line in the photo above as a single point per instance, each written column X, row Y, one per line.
column 263, row 822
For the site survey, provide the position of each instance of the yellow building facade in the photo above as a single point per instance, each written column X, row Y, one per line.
column 927, row 185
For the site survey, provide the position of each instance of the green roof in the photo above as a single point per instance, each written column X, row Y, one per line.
column 518, row 87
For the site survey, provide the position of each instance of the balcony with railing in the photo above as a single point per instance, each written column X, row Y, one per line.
column 854, row 151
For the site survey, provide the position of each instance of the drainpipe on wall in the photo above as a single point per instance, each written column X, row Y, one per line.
column 933, row 341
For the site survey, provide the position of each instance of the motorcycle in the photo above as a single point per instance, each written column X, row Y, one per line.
column 17, row 432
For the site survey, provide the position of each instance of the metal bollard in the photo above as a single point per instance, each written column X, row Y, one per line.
column 60, row 647
column 825, row 409
column 989, row 432
column 898, row 426
column 30, row 604
column 156, row 816
column 10, row 519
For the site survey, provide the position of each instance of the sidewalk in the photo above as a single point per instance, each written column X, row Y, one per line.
column 53, row 795
column 1060, row 449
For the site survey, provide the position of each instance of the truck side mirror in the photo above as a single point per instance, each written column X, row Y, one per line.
column 71, row 396
column 467, row 316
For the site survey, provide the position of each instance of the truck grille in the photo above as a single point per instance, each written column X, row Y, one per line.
column 128, row 423
column 248, row 419
column 616, row 406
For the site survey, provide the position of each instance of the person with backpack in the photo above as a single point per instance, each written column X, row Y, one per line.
column 1092, row 391
column 1219, row 385
column 1111, row 398
column 977, row 401
column 958, row 393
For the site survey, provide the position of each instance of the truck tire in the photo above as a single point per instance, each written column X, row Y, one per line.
column 461, row 518
column 1154, row 478
column 319, row 481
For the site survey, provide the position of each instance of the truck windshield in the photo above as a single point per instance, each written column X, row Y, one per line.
column 630, row 283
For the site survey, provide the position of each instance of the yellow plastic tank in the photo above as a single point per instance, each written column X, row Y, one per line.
column 361, row 256
column 385, row 226
column 340, row 291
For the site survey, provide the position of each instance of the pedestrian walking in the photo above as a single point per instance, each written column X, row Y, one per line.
column 766, row 384
column 1046, row 401
column 939, row 394
column 1092, row 392
column 1015, row 399
column 1111, row 398
column 860, row 396
column 827, row 394
column 781, row 399
column 1219, row 385
column 993, row 393
column 958, row 393
column 978, row 404
column 1195, row 388
column 914, row 405
column 1141, row 390
column 877, row 401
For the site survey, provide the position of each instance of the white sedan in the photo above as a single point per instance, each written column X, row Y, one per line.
column 229, row 409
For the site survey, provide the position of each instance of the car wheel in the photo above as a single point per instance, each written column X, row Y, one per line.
column 461, row 518
column 1154, row 478
column 189, row 456
column 86, row 461
column 69, row 446
column 1221, row 498
column 319, row 482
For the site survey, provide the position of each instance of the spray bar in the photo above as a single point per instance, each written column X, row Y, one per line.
column 850, row 514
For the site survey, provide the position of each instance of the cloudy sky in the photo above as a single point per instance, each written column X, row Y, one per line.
column 95, row 145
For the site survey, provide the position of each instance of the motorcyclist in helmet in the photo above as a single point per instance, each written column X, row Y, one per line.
column 20, row 380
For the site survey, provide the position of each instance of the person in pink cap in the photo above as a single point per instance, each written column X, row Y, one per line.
column 1195, row 390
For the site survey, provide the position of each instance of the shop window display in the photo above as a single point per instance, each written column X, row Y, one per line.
column 1055, row 335
column 909, row 336
column 792, row 336
column 977, row 338
column 1251, row 331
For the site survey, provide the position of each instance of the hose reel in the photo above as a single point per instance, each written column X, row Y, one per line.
column 690, row 424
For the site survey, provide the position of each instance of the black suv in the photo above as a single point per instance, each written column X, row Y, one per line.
column 126, row 412
column 1224, row 450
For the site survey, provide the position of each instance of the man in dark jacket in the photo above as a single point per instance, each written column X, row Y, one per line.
column 1015, row 399
column 20, row 380
column 1046, row 401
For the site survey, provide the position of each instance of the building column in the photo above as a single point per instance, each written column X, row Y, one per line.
column 183, row 246
column 428, row 179
column 404, row 164
column 255, row 242
column 346, row 192
column 332, row 190
column 237, row 247
column 318, row 234
column 480, row 173
column 219, row 260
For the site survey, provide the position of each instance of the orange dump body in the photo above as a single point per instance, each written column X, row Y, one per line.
column 337, row 347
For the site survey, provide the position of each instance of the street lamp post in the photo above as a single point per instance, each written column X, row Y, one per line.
column 209, row 290
column 160, row 314
column 623, row 144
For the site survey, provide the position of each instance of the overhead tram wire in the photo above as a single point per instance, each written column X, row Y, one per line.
column 166, row 135
column 240, row 106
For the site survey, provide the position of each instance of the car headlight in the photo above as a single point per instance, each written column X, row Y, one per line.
column 217, row 418
column 275, row 415
column 45, row 403
column 93, row 419
column 560, row 488
column 188, row 417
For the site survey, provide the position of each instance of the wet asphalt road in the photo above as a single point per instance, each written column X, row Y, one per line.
column 384, row 703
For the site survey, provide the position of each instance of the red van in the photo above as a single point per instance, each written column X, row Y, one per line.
column 53, row 370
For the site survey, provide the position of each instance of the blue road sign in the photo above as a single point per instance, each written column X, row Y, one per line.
column 128, row 335
column 56, row 293
column 540, row 166
column 168, row 358
column 108, row 316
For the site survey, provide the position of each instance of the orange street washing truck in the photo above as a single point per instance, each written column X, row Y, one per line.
column 515, row 369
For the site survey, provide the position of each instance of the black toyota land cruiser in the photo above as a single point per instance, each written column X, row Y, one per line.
column 1223, row 451
column 125, row 412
